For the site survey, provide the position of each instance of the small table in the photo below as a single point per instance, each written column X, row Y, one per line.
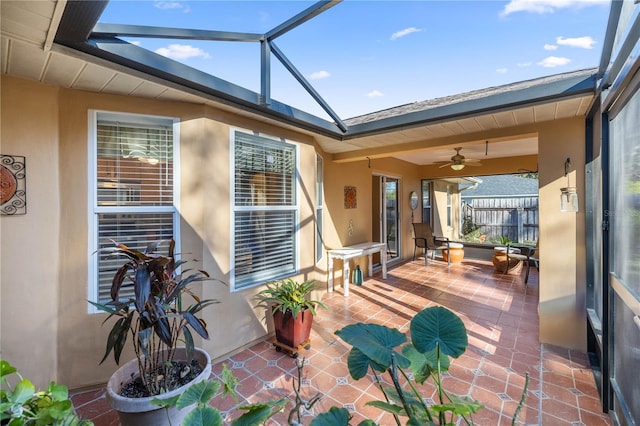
column 349, row 252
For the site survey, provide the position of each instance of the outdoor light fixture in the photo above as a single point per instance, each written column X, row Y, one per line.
column 568, row 195
column 457, row 166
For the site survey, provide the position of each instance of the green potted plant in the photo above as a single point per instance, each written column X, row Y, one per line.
column 199, row 396
column 21, row 404
column 436, row 334
column 292, row 309
column 161, row 324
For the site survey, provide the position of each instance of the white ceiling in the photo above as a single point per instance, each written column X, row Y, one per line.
column 28, row 29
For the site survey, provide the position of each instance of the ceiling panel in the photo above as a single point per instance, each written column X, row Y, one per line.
column 149, row 90
column 26, row 60
column 470, row 125
column 26, row 20
column 122, row 84
column 523, row 116
column 572, row 107
column 62, row 69
column 504, row 119
column 545, row 112
column 93, row 77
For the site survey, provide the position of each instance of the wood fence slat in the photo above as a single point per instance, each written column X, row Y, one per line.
column 516, row 218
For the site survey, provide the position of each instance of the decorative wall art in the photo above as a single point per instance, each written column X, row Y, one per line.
column 350, row 197
column 13, row 191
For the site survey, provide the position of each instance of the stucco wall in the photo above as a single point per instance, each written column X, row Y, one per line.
column 562, row 236
column 44, row 253
column 30, row 243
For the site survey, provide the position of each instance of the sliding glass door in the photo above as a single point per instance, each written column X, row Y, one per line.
column 386, row 217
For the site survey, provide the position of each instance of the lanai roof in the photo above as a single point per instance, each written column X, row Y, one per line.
column 59, row 43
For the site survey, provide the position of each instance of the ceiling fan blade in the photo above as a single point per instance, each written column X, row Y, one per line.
column 473, row 164
column 445, row 165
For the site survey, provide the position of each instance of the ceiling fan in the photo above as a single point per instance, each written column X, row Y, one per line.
column 458, row 161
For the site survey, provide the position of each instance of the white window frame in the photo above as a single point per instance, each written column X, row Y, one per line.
column 319, row 209
column 449, row 206
column 93, row 208
column 232, row 196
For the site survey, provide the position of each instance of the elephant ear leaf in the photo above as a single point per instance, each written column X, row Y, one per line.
column 358, row 364
column 336, row 416
column 375, row 341
column 439, row 326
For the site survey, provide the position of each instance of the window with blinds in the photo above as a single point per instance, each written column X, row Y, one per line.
column 319, row 208
column 265, row 209
column 133, row 190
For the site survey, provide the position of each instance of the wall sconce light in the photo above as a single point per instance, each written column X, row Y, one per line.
column 568, row 195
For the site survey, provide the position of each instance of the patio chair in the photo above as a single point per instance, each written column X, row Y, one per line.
column 424, row 239
column 527, row 255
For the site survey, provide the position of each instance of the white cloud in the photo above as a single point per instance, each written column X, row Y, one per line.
column 374, row 94
column 582, row 42
column 546, row 6
column 164, row 5
column 404, row 32
column 182, row 51
column 502, row 70
column 136, row 43
column 524, row 64
column 168, row 5
column 553, row 61
column 550, row 47
column 319, row 75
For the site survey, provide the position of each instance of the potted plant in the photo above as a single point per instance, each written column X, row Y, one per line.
column 292, row 309
column 158, row 320
column 23, row 405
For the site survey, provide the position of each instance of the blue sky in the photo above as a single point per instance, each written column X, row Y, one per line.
column 365, row 56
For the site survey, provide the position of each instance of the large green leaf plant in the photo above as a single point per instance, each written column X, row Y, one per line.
column 288, row 295
column 436, row 335
column 157, row 318
column 22, row 405
column 203, row 413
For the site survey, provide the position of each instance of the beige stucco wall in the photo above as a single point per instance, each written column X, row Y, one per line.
column 47, row 249
column 562, row 236
column 29, row 256
column 44, row 253
column 359, row 174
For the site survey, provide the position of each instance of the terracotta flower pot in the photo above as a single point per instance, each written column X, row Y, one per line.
column 140, row 411
column 292, row 331
column 457, row 253
column 500, row 262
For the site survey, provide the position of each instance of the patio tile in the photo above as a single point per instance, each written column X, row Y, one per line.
column 500, row 314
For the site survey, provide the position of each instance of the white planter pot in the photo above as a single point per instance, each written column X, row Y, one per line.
column 140, row 411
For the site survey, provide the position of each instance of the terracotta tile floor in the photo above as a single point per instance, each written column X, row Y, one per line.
column 500, row 314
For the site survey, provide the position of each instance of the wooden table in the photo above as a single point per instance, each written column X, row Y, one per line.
column 349, row 252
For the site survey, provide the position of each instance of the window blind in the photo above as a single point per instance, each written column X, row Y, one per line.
column 265, row 209
column 134, row 164
column 319, row 207
column 134, row 202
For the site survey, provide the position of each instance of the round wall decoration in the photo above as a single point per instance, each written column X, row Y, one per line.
column 13, row 194
column 8, row 184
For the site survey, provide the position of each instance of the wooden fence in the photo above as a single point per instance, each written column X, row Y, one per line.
column 516, row 218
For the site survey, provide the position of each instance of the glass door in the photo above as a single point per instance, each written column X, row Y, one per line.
column 624, row 261
column 386, row 215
